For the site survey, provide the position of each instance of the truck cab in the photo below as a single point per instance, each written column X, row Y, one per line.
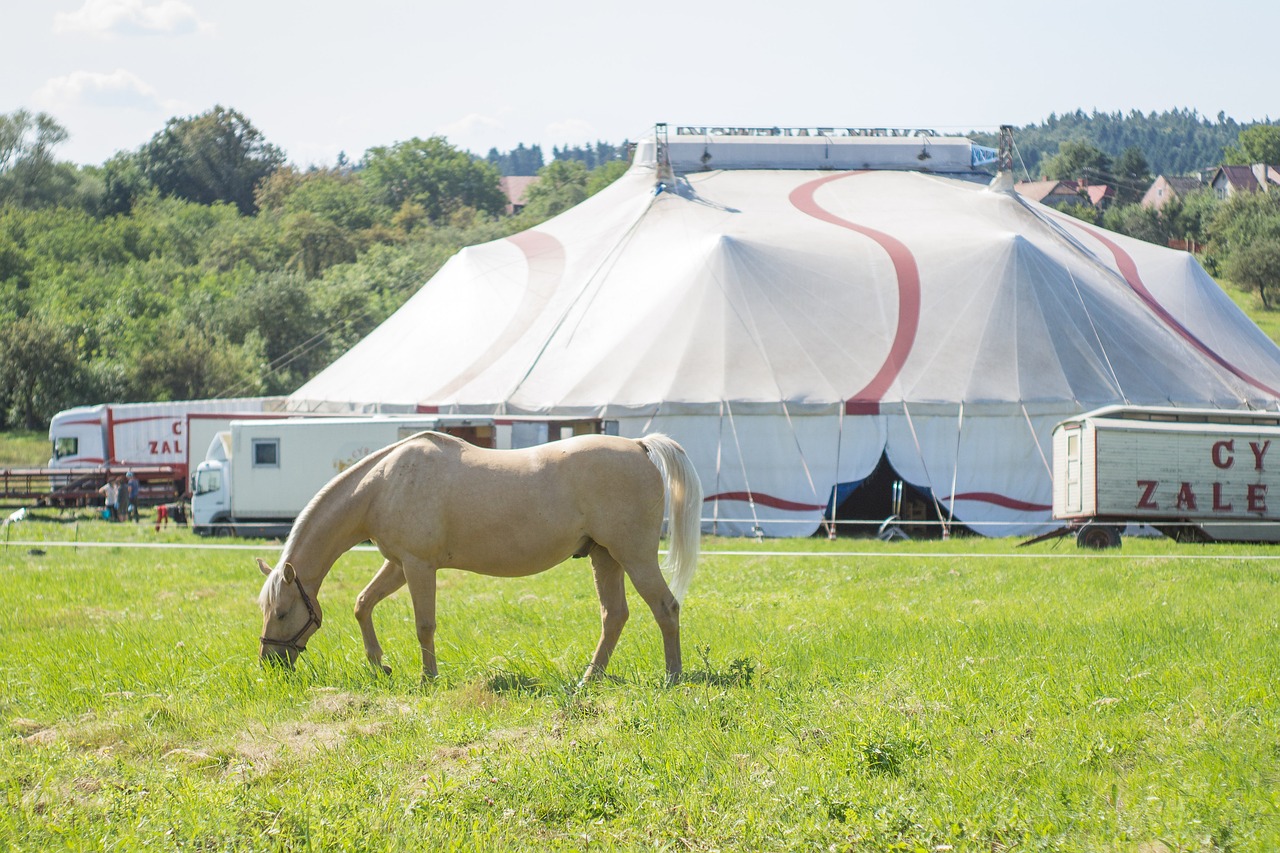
column 211, row 490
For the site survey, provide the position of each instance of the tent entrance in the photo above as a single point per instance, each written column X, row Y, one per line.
column 884, row 500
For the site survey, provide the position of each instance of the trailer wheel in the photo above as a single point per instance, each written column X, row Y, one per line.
column 1099, row 537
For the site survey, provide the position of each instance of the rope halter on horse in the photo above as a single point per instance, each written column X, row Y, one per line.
column 313, row 618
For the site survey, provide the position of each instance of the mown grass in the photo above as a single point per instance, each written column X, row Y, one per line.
column 916, row 696
column 24, row 449
column 1250, row 303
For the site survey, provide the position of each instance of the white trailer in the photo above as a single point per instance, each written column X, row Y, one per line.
column 1196, row 474
column 121, row 435
column 259, row 474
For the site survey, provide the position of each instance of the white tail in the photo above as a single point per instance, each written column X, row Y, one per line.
column 684, row 496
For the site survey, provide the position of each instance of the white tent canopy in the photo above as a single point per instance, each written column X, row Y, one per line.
column 791, row 326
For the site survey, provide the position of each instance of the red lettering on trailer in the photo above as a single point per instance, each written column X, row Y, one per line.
column 1186, row 498
column 1218, row 505
column 1258, row 452
column 1257, row 496
column 1218, row 447
column 1148, row 493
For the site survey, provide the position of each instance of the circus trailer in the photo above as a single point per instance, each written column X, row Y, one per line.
column 1193, row 474
column 121, row 435
column 258, row 475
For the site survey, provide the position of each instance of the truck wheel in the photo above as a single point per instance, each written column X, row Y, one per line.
column 222, row 531
column 1098, row 536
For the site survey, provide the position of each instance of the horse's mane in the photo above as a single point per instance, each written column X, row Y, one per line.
column 358, row 470
column 271, row 590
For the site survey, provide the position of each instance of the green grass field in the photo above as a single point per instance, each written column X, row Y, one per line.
column 24, row 449
column 961, row 695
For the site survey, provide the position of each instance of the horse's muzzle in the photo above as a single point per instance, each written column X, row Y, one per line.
column 271, row 655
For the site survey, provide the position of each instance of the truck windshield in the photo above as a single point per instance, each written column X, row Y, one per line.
column 208, row 480
column 65, row 446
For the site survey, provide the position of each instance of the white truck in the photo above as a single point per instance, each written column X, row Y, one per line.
column 1193, row 474
column 259, row 474
column 123, row 435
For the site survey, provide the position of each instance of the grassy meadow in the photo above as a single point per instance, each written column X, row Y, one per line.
column 962, row 695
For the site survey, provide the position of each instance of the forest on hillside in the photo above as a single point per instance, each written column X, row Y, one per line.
column 203, row 264
column 1174, row 142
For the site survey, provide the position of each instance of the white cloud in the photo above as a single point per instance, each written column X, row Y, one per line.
column 117, row 89
column 471, row 130
column 571, row 132
column 131, row 17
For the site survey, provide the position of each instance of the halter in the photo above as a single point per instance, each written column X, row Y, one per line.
column 312, row 619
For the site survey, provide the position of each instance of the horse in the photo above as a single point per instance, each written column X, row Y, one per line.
column 432, row 501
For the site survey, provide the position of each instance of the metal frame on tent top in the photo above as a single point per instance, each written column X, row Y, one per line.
column 896, row 132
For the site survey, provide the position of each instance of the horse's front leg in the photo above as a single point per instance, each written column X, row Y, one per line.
column 388, row 579
column 421, row 579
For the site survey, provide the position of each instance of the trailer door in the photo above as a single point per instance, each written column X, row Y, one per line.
column 1075, row 492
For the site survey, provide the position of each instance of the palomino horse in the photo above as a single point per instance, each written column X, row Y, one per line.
column 433, row 501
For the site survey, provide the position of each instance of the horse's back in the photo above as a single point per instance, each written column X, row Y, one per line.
column 480, row 504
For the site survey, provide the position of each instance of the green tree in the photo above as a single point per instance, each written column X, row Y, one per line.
column 188, row 362
column 1257, row 144
column 1131, row 175
column 1256, row 267
column 1076, row 159
column 561, row 184
column 124, row 182
column 1137, row 220
column 433, row 174
column 41, row 371
column 29, row 175
column 1245, row 242
column 216, row 156
column 605, row 174
column 1082, row 211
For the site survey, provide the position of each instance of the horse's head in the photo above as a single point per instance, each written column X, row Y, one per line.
column 289, row 615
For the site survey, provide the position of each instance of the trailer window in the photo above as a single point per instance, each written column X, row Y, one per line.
column 266, row 453
column 66, row 446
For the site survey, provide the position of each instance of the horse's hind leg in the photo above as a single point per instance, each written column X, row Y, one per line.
column 647, row 578
column 611, row 586
column 388, row 579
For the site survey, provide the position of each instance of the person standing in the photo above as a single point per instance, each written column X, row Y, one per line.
column 110, row 492
column 135, row 490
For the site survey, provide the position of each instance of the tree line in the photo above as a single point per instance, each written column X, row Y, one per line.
column 202, row 264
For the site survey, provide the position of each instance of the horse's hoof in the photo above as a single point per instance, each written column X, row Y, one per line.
column 386, row 670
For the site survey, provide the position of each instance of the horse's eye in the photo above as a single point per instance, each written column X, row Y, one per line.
column 280, row 614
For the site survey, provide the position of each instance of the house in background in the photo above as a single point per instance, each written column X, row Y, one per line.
column 1052, row 193
column 1165, row 189
column 1229, row 180
column 515, row 187
column 1061, row 194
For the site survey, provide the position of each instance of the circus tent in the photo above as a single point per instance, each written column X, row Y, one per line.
column 799, row 310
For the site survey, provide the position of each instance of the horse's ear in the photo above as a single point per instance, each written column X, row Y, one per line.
column 262, row 564
column 289, row 574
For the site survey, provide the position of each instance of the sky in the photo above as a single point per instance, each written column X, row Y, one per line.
column 322, row 77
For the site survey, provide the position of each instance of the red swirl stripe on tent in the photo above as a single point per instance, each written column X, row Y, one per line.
column 1129, row 269
column 1000, row 500
column 867, row 401
column 764, row 500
